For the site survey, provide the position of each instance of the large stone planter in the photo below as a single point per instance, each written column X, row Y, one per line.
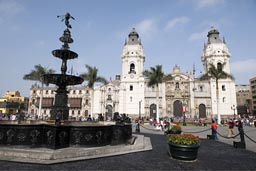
column 183, row 152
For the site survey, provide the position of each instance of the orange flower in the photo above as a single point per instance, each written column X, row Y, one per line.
column 184, row 139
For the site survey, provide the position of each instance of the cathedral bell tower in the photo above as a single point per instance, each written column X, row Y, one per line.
column 215, row 52
column 132, row 80
column 133, row 57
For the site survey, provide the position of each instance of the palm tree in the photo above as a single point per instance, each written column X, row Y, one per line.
column 91, row 76
column 37, row 75
column 156, row 77
column 216, row 73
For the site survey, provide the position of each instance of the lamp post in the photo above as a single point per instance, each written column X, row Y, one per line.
column 140, row 109
column 138, row 124
column 234, row 109
column 41, row 99
column 184, row 115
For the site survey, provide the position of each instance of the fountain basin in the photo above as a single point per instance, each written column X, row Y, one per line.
column 60, row 79
column 78, row 134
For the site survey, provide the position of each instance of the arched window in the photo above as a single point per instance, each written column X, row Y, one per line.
column 109, row 97
column 131, row 88
column 201, row 88
column 132, row 68
column 219, row 66
column 223, row 88
column 177, row 86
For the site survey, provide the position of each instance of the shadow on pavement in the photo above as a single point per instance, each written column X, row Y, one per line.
column 212, row 155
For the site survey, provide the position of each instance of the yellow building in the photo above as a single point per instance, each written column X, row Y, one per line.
column 13, row 102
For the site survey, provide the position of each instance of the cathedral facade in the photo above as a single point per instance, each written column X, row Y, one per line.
column 128, row 93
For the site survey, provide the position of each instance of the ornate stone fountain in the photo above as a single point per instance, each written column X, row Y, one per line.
column 60, row 109
column 66, row 133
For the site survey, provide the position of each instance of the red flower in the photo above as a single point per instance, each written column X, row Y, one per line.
column 185, row 139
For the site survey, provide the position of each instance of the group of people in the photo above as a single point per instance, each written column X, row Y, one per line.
column 162, row 125
column 13, row 116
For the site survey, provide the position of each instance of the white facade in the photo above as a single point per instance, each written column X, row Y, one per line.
column 79, row 101
column 129, row 92
column 132, row 80
column 217, row 53
column 126, row 93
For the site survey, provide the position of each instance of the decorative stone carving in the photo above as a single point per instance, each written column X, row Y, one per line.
column 21, row 137
column 49, row 135
column 1, row 135
column 62, row 136
column 88, row 137
column 99, row 137
column 10, row 134
column 78, row 136
column 34, row 134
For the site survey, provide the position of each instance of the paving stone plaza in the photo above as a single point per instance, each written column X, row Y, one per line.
column 212, row 155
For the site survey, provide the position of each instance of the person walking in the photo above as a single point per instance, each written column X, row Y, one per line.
column 231, row 125
column 214, row 130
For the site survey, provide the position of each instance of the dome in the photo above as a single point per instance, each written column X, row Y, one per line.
column 133, row 33
column 133, row 38
column 213, row 36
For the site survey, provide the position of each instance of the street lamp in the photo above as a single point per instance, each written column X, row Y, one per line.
column 234, row 108
column 41, row 98
column 138, row 124
column 184, row 115
column 140, row 109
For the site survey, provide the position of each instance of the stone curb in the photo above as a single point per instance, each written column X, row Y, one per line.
column 48, row 156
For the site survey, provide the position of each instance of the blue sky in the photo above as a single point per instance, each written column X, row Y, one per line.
column 172, row 32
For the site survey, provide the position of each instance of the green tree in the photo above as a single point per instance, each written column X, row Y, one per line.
column 216, row 73
column 91, row 76
column 37, row 75
column 155, row 77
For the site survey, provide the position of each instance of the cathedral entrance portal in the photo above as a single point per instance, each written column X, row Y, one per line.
column 202, row 111
column 86, row 113
column 109, row 111
column 153, row 111
column 177, row 106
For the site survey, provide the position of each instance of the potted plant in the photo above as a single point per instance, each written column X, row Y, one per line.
column 175, row 129
column 183, row 146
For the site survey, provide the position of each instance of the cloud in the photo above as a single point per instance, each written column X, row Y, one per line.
column 146, row 28
column 243, row 70
column 198, row 36
column 10, row 8
column 207, row 3
column 175, row 22
column 40, row 44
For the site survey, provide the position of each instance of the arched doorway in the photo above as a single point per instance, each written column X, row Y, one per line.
column 153, row 111
column 177, row 108
column 86, row 113
column 109, row 111
column 202, row 111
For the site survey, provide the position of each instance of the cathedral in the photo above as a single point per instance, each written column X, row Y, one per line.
column 128, row 93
